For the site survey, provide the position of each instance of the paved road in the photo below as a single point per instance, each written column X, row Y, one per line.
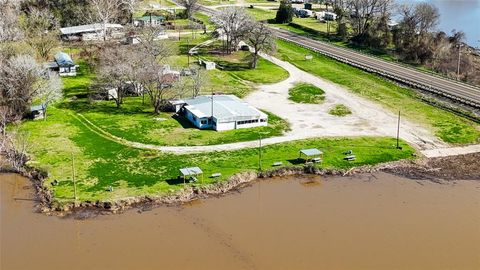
column 436, row 84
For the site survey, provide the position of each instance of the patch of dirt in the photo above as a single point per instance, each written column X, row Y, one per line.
column 463, row 167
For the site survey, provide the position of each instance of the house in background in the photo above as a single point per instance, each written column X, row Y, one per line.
column 148, row 20
column 325, row 16
column 63, row 64
column 229, row 112
column 90, row 32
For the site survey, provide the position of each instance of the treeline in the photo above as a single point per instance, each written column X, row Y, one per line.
column 412, row 39
column 408, row 31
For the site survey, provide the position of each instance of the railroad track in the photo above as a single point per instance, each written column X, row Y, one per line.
column 435, row 84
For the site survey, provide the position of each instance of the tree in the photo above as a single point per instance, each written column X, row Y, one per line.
column 40, row 27
column 159, row 85
column 49, row 91
column 365, row 12
column 234, row 23
column 199, row 80
column 261, row 39
column 191, row 6
column 130, row 5
column 9, row 30
column 105, row 12
column 116, row 69
column 23, row 80
column 152, row 74
column 285, row 12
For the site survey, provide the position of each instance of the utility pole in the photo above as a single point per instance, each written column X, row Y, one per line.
column 458, row 62
column 73, row 178
column 188, row 52
column 398, row 131
column 260, row 151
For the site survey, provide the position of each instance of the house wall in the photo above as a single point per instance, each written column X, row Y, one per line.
column 225, row 126
column 197, row 121
column 67, row 71
column 250, row 125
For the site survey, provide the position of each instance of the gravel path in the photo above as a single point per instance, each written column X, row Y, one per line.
column 313, row 120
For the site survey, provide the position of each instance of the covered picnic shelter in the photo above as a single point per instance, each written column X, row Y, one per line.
column 311, row 154
column 191, row 172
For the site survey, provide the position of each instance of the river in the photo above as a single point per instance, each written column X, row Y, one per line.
column 460, row 15
column 365, row 222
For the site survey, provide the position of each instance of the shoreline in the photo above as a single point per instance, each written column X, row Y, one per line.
column 461, row 167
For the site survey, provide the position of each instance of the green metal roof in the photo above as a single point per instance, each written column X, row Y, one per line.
column 147, row 18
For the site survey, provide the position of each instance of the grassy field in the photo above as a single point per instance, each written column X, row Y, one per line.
column 261, row 14
column 136, row 122
column 447, row 126
column 340, row 110
column 306, row 93
column 238, row 65
column 101, row 163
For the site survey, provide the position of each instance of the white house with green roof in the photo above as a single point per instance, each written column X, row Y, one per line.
column 148, row 20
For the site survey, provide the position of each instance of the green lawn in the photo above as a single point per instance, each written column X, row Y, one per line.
column 100, row 162
column 340, row 110
column 238, row 65
column 447, row 126
column 306, row 93
column 136, row 122
column 261, row 14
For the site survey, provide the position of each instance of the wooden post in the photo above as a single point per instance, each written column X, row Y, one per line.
column 398, row 130
column 73, row 178
column 260, row 152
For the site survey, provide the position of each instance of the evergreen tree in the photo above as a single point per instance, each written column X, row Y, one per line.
column 285, row 12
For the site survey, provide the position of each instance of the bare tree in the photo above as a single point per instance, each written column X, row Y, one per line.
column 365, row 12
column 9, row 10
column 191, row 6
column 261, row 39
column 105, row 12
column 160, row 85
column 427, row 17
column 22, row 80
column 199, row 80
column 49, row 91
column 131, row 6
column 116, row 70
column 40, row 27
column 151, row 45
column 234, row 23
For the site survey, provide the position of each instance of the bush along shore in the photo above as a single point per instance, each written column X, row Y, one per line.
column 434, row 169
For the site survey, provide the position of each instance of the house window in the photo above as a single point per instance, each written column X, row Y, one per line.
column 203, row 122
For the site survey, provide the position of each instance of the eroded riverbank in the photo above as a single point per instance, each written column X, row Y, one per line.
column 369, row 221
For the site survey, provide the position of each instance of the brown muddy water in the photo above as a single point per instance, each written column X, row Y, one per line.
column 365, row 222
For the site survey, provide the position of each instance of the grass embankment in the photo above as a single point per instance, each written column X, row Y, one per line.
column 447, row 126
column 340, row 110
column 306, row 93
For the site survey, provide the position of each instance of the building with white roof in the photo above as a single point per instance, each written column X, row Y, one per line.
column 229, row 112
column 90, row 31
